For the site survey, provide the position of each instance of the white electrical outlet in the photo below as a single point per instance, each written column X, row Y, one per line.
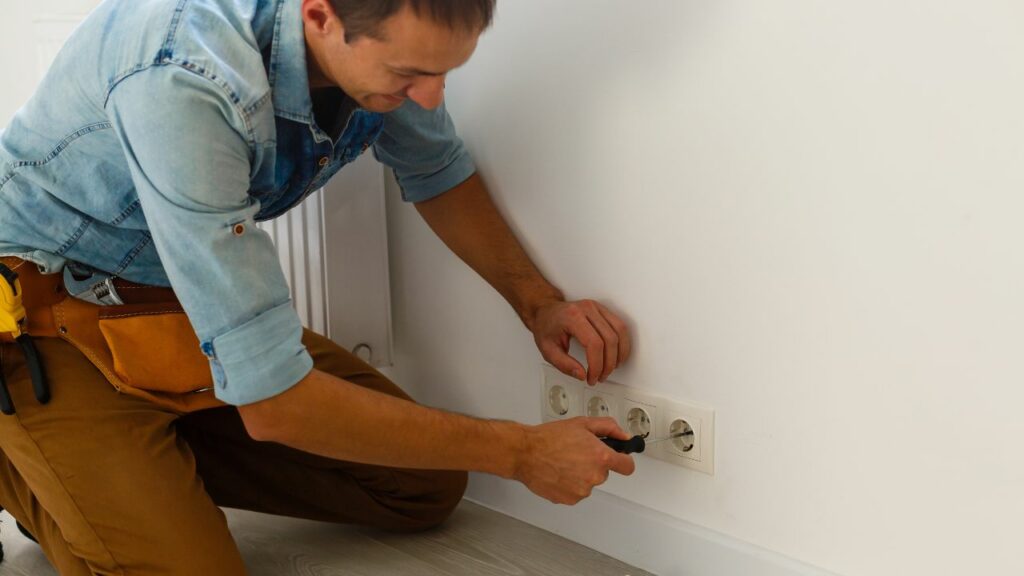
column 695, row 449
column 640, row 413
column 561, row 396
column 603, row 400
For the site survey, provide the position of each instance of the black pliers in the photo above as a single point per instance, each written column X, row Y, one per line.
column 12, row 321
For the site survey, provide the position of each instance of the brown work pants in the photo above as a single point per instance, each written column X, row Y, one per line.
column 113, row 484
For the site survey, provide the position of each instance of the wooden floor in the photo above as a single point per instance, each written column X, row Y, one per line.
column 475, row 541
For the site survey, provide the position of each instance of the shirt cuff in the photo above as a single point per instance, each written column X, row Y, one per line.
column 259, row 359
column 417, row 188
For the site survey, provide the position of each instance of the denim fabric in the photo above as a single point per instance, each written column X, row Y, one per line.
column 162, row 132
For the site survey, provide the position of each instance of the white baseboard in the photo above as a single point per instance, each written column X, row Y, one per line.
column 645, row 538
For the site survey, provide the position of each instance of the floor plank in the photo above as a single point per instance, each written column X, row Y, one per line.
column 475, row 541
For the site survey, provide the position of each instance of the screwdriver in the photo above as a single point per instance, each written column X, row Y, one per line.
column 637, row 443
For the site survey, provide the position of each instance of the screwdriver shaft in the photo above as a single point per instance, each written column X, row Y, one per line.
column 671, row 436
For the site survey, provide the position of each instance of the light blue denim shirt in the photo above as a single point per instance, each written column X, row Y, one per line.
column 161, row 126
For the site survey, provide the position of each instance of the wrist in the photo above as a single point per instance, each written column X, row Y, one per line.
column 528, row 312
column 513, row 438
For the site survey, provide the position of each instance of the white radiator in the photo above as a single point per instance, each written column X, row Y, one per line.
column 334, row 253
column 299, row 239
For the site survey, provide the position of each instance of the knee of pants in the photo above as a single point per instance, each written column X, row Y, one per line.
column 432, row 508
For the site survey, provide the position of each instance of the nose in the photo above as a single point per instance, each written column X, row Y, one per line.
column 427, row 91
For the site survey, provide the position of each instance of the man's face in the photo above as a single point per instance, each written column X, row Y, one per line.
column 409, row 60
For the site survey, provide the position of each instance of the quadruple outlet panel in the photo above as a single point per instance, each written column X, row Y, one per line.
column 637, row 412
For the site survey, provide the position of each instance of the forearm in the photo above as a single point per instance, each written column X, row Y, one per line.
column 335, row 418
column 467, row 221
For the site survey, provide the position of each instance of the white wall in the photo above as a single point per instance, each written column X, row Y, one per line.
column 810, row 212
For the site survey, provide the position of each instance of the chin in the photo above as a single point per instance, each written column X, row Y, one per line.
column 380, row 103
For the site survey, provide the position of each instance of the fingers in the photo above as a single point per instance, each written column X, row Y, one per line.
column 568, row 461
column 608, row 427
column 593, row 346
column 616, row 462
column 609, row 340
column 602, row 334
column 565, row 363
column 617, row 324
column 623, row 464
column 605, row 427
column 606, row 340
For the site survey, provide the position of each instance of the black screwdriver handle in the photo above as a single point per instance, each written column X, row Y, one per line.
column 634, row 444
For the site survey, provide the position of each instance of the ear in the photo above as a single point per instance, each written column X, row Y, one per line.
column 319, row 17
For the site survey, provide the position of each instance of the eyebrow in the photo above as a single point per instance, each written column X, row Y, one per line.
column 415, row 71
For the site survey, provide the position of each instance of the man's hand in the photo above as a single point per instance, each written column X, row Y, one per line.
column 564, row 460
column 603, row 335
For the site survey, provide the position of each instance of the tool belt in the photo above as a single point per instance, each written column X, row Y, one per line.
column 145, row 346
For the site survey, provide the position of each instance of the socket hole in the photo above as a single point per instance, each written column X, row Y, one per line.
column 684, row 443
column 558, row 400
column 638, row 422
column 597, row 407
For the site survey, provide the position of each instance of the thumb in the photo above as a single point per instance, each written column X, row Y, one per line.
column 606, row 427
column 565, row 363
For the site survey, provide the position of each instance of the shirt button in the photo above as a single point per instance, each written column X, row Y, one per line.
column 239, row 229
column 324, row 161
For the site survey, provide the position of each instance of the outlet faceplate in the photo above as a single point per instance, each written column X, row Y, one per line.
column 701, row 420
column 565, row 397
column 603, row 400
column 561, row 396
column 636, row 408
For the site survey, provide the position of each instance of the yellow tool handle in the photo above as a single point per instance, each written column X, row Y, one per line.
column 12, row 312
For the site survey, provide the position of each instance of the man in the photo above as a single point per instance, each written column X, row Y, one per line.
column 163, row 131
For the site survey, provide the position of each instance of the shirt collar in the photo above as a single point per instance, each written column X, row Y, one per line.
column 289, row 76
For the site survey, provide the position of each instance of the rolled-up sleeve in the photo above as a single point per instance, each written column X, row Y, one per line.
column 421, row 146
column 189, row 150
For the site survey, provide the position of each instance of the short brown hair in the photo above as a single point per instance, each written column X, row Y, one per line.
column 363, row 17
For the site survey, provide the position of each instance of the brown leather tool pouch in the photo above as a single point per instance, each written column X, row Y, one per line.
column 144, row 348
column 147, row 350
